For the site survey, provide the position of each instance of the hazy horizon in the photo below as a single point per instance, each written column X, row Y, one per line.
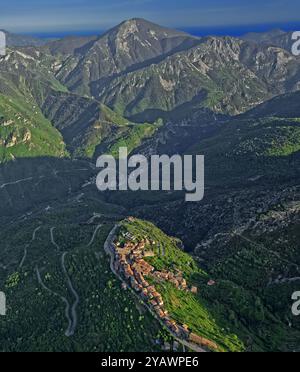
column 195, row 30
column 62, row 17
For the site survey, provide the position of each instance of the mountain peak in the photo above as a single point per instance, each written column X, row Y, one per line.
column 141, row 25
column 137, row 20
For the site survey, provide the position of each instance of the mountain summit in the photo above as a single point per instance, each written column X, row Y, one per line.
column 145, row 30
column 137, row 40
column 132, row 44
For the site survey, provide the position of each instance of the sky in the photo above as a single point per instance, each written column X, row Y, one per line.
column 93, row 16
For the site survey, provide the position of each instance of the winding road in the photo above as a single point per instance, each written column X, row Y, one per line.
column 52, row 238
column 16, row 182
column 27, row 246
column 71, row 311
column 24, row 256
column 72, row 329
column 65, row 301
column 94, row 235
column 284, row 280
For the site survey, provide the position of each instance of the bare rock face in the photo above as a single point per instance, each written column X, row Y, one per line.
column 18, row 136
column 130, row 45
column 141, row 72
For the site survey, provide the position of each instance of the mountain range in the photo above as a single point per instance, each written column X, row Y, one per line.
column 144, row 73
column 157, row 91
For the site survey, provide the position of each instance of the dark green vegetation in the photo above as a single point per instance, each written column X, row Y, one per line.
column 251, row 149
column 286, row 106
column 263, row 263
column 241, row 311
column 108, row 318
column 158, row 91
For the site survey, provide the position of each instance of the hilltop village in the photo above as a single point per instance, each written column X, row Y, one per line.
column 130, row 264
